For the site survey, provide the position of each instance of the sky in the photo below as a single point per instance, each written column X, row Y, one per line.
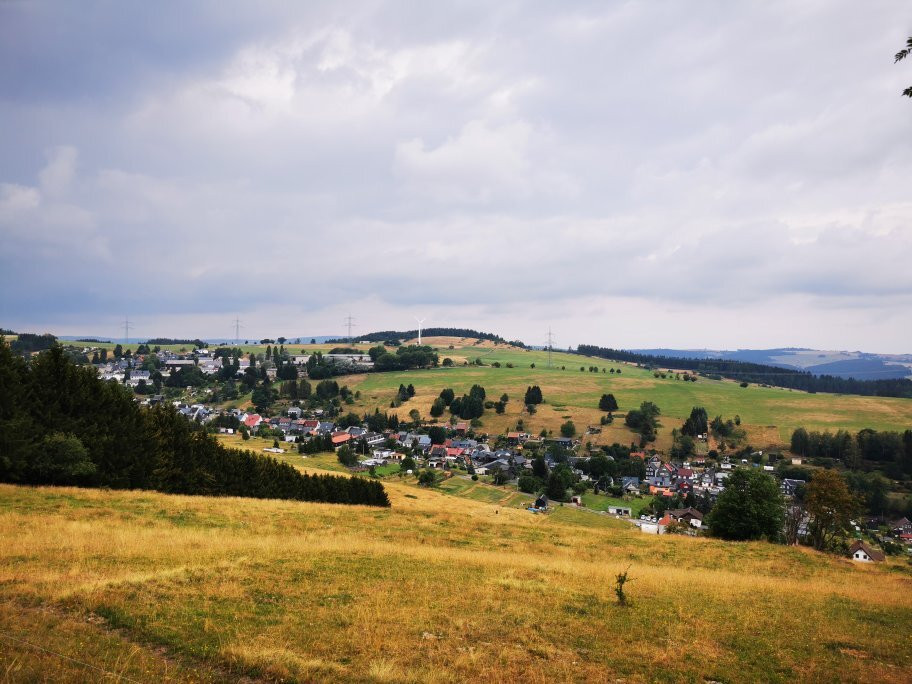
column 701, row 174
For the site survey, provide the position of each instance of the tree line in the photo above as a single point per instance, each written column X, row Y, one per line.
column 887, row 449
column 396, row 335
column 62, row 425
column 745, row 371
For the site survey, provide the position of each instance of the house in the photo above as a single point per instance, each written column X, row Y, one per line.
column 252, row 420
column 294, row 411
column 414, row 439
column 516, row 438
column 339, row 439
column 177, row 364
column 618, row 510
column 901, row 526
column 461, row 428
column 860, row 551
column 652, row 466
column 691, row 516
column 373, row 438
column 790, row 487
column 630, row 484
column 685, row 475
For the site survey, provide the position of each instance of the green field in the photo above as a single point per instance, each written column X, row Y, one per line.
column 598, row 502
column 768, row 414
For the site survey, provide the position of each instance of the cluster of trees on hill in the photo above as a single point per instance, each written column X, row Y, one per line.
column 752, row 507
column 62, row 425
column 199, row 344
column 887, row 449
column 403, row 359
column 397, row 335
column 29, row 342
column 644, row 420
column 761, row 374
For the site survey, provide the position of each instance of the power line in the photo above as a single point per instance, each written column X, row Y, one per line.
column 351, row 323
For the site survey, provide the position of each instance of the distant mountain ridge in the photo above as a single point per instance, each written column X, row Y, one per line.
column 841, row 364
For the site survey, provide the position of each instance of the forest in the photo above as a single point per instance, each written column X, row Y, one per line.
column 760, row 374
column 62, row 425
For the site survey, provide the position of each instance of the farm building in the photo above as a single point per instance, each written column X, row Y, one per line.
column 860, row 551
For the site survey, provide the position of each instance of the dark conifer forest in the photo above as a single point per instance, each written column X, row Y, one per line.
column 62, row 425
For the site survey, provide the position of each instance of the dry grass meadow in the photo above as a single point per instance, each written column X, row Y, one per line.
column 150, row 587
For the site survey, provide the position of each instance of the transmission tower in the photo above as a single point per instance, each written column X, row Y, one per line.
column 350, row 322
column 126, row 325
column 550, row 344
column 237, row 330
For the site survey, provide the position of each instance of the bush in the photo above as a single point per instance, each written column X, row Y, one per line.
column 529, row 484
column 347, row 457
column 61, row 459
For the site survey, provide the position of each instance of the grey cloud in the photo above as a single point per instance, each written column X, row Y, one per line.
column 487, row 163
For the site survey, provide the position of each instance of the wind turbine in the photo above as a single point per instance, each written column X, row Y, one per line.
column 420, row 322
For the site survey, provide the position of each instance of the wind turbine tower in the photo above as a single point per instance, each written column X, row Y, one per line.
column 550, row 345
column 420, row 322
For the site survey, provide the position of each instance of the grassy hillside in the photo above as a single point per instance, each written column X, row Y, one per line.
column 173, row 588
column 768, row 414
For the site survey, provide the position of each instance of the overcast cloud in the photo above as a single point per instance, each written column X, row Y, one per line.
column 687, row 174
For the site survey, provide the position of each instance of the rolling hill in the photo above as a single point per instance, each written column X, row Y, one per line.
column 152, row 587
column 768, row 414
column 842, row 364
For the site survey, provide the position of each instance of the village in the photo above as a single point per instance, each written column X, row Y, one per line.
column 658, row 495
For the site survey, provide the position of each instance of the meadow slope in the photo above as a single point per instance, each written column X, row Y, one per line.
column 178, row 588
column 768, row 414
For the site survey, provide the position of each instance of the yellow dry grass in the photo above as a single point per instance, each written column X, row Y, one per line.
column 434, row 589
